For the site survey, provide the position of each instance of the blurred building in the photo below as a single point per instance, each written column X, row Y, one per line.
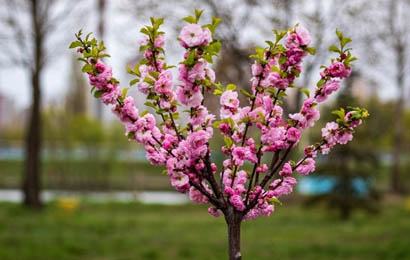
column 8, row 111
column 361, row 89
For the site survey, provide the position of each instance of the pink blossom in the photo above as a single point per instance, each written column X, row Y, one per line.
column 304, row 36
column 294, row 56
column 110, row 97
column 164, row 83
column 329, row 132
column 286, row 170
column 309, row 151
column 197, row 141
column 198, row 71
column 237, row 202
column 343, row 137
column 159, row 41
column 306, row 167
column 156, row 158
column 338, row 69
column 180, row 181
column 293, row 135
column 195, row 99
column 262, row 168
column 300, row 37
column 353, row 123
column 197, row 196
column 276, row 81
column 193, row 35
column 129, row 111
column 229, row 99
column 292, row 41
column 256, row 69
column 214, row 212
column 331, row 87
column 210, row 74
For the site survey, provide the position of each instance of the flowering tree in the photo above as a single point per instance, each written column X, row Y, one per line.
column 184, row 148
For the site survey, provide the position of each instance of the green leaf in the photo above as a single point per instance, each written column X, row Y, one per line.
column 218, row 92
column 279, row 35
column 190, row 60
column 144, row 113
column 216, row 124
column 246, row 93
column 208, row 58
column 154, row 74
column 228, row 142
column 149, row 80
column 144, row 47
column 176, row 116
column 198, row 14
column 334, row 49
column 345, row 41
column 282, row 60
column 269, row 43
column 129, row 70
column 87, row 68
column 231, row 87
column 340, row 113
column 131, row 135
column 216, row 21
column 305, row 91
column 124, row 92
column 145, row 31
column 137, row 70
column 98, row 93
column 149, row 104
column 275, row 200
column 189, row 19
column 311, row 50
column 134, row 81
column 75, row 44
column 321, row 82
column 339, row 35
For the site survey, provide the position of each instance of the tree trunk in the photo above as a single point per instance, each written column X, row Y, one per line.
column 31, row 179
column 233, row 220
column 400, row 48
column 398, row 142
column 398, row 120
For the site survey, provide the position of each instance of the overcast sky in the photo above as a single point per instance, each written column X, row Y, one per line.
column 14, row 82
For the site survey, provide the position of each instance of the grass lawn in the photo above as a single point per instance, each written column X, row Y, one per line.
column 134, row 231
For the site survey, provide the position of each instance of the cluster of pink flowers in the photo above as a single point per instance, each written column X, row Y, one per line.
column 186, row 151
column 334, row 133
column 102, row 80
column 193, row 35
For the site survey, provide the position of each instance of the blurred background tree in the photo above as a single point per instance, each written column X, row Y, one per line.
column 349, row 172
column 31, row 24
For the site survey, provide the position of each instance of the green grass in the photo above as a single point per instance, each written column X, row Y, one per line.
column 133, row 231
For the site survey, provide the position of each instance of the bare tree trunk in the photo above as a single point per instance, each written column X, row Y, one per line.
column 31, row 179
column 398, row 122
column 233, row 220
column 399, row 45
column 398, row 142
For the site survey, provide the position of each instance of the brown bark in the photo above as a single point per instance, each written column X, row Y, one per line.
column 31, row 179
column 399, row 47
column 397, row 149
column 233, row 220
column 398, row 122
